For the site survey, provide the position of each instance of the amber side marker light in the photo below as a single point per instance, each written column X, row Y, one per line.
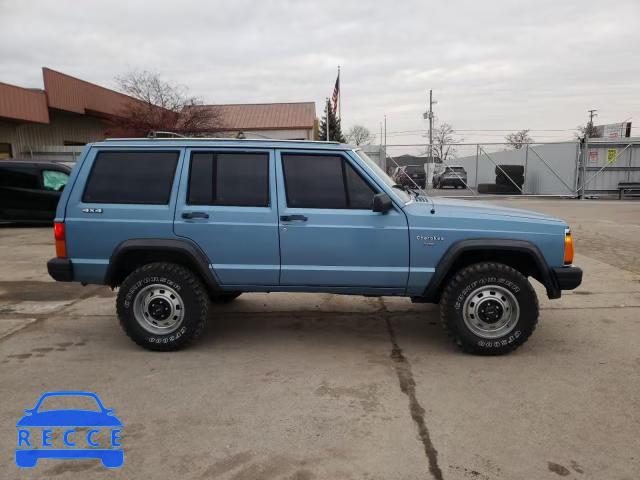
column 568, row 248
column 61, row 243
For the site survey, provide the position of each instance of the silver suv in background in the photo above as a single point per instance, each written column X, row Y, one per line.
column 452, row 176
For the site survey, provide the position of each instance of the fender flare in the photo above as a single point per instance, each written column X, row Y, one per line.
column 183, row 246
column 547, row 278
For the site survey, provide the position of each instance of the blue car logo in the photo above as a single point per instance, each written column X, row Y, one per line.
column 34, row 444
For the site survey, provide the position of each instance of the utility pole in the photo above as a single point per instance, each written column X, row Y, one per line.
column 429, row 115
column 381, row 133
column 592, row 113
column 385, row 134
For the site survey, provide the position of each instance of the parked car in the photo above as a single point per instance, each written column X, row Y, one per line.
column 452, row 176
column 29, row 191
column 410, row 176
column 177, row 223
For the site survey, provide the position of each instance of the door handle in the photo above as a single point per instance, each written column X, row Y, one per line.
column 293, row 218
column 195, row 215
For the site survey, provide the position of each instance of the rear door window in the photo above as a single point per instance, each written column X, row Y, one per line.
column 19, row 177
column 229, row 179
column 131, row 177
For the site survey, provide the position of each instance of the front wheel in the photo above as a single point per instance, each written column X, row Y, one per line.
column 489, row 309
column 162, row 306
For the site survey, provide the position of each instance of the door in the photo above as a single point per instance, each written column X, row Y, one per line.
column 227, row 205
column 329, row 235
column 21, row 195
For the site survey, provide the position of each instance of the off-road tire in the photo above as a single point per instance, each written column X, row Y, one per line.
column 225, row 297
column 192, row 292
column 464, row 283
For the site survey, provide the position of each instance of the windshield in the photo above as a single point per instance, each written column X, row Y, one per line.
column 380, row 173
column 415, row 169
column 456, row 169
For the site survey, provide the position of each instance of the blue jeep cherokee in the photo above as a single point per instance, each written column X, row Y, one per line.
column 179, row 223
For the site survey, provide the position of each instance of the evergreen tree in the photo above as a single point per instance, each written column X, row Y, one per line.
column 335, row 130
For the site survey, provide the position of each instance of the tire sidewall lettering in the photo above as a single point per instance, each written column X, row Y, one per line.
column 147, row 281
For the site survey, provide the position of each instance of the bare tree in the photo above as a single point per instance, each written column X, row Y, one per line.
column 444, row 143
column 519, row 139
column 161, row 105
column 359, row 135
column 589, row 129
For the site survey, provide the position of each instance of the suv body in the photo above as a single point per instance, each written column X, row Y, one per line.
column 30, row 191
column 176, row 223
column 452, row 176
column 410, row 176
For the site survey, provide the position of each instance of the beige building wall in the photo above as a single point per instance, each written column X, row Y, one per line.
column 63, row 128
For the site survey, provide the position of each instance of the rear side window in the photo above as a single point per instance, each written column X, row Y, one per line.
column 131, row 177
column 19, row 177
column 229, row 179
column 324, row 181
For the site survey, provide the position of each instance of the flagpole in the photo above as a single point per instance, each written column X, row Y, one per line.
column 328, row 107
column 339, row 96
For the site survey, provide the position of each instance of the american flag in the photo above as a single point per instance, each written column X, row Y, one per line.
column 336, row 94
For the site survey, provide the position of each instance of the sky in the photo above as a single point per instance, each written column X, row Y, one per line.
column 494, row 66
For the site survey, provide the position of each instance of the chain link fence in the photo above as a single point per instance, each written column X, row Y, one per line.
column 537, row 169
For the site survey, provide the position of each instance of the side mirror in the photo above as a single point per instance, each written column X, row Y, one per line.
column 382, row 203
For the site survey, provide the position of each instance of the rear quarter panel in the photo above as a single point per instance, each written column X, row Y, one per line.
column 93, row 237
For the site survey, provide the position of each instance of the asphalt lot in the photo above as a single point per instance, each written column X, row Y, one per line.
column 306, row 386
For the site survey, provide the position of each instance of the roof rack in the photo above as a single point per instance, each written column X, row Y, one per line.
column 217, row 139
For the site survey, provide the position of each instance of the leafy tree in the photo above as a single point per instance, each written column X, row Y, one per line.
column 517, row 140
column 161, row 105
column 359, row 135
column 335, row 130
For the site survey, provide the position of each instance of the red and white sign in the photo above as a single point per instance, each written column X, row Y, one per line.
column 593, row 157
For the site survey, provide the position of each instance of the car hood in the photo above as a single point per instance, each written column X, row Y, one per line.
column 472, row 207
column 69, row 418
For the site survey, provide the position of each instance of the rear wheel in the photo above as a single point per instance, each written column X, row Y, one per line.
column 489, row 309
column 162, row 306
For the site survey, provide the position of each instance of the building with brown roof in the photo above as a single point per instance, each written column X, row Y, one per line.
column 69, row 112
column 283, row 121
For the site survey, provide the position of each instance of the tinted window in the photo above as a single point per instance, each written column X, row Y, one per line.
column 131, row 177
column 54, row 180
column 324, row 181
column 415, row 169
column 359, row 191
column 233, row 179
column 19, row 177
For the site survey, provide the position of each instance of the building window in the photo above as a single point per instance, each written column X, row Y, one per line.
column 5, row 150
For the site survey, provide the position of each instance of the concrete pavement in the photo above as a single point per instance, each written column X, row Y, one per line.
column 307, row 386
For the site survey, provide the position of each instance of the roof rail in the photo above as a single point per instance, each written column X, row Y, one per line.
column 204, row 139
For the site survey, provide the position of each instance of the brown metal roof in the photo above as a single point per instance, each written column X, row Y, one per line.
column 74, row 95
column 23, row 104
column 263, row 116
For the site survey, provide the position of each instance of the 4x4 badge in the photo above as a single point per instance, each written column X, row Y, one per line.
column 92, row 210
